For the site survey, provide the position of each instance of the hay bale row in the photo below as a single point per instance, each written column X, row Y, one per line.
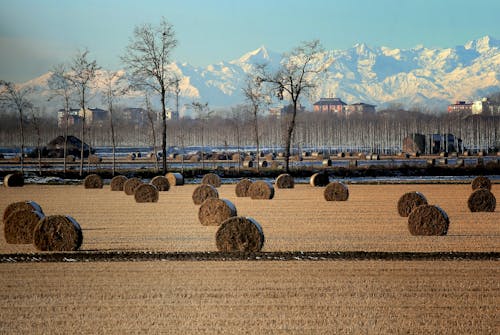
column 242, row 188
column 93, row 181
column 21, row 205
column 20, row 224
column 481, row 182
column 239, row 234
column 482, row 200
column 319, row 179
column 428, row 220
column 262, row 190
column 211, row 179
column 336, row 191
column 409, row 201
column 13, row 180
column 146, row 193
column 285, row 181
column 131, row 184
column 214, row 211
column 204, row 192
column 117, row 183
column 161, row 183
column 57, row 233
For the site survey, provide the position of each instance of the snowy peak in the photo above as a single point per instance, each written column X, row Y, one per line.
column 257, row 56
column 483, row 44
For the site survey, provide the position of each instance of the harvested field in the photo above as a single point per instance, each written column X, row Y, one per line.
column 296, row 219
column 348, row 297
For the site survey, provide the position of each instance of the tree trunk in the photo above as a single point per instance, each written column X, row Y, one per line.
column 256, row 130
column 113, row 143
column 82, row 135
column 164, row 132
column 289, row 133
column 21, row 130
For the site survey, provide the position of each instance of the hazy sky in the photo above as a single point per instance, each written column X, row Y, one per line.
column 36, row 34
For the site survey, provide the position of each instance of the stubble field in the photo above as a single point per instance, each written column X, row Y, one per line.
column 258, row 297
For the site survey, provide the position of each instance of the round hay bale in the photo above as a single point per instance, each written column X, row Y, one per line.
column 21, row 205
column 204, row 192
column 242, row 187
column 327, row 162
column 428, row 220
column 482, row 200
column 13, row 180
column 285, row 180
column 409, row 201
column 319, row 179
column 57, row 233
column 20, row 224
column 336, row 191
column 211, row 179
column 175, row 179
column 248, row 164
column 481, row 182
column 93, row 181
column 70, row 158
column 261, row 190
column 94, row 159
column 263, row 164
column 161, row 183
column 214, row 211
column 131, row 184
column 146, row 193
column 239, row 234
column 117, row 183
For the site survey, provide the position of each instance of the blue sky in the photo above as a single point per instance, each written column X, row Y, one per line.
column 37, row 34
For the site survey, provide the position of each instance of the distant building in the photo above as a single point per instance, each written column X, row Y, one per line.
column 137, row 116
column 73, row 117
column 94, row 116
column 485, row 107
column 326, row 105
column 460, row 107
column 360, row 107
column 281, row 111
column 171, row 115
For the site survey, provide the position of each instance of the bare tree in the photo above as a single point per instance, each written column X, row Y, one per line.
column 202, row 113
column 62, row 87
column 83, row 73
column 114, row 88
column 295, row 78
column 36, row 124
column 254, row 95
column 12, row 96
column 151, row 119
column 147, row 56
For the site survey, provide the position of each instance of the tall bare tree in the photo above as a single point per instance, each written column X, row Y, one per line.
column 151, row 118
column 83, row 73
column 203, row 113
column 62, row 87
column 295, row 78
column 13, row 96
column 147, row 57
column 35, row 117
column 114, row 88
column 254, row 95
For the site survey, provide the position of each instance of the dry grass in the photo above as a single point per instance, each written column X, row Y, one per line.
column 296, row 219
column 329, row 297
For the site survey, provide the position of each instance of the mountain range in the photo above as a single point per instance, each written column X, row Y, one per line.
column 427, row 78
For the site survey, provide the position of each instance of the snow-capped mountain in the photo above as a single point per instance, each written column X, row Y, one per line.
column 429, row 78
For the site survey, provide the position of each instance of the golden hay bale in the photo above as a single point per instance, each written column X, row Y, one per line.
column 327, row 162
column 211, row 179
column 94, row 159
column 213, row 211
column 336, row 191
column 146, row 193
column 319, row 179
column 131, row 184
column 21, row 205
column 13, row 180
column 93, row 181
column 242, row 187
column 285, row 180
column 481, row 182
column 70, row 158
column 117, row 183
column 204, row 192
column 408, row 201
column 261, row 190
column 248, row 164
column 428, row 220
column 161, row 183
column 20, row 224
column 482, row 200
column 57, row 233
column 175, row 179
column 239, row 234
